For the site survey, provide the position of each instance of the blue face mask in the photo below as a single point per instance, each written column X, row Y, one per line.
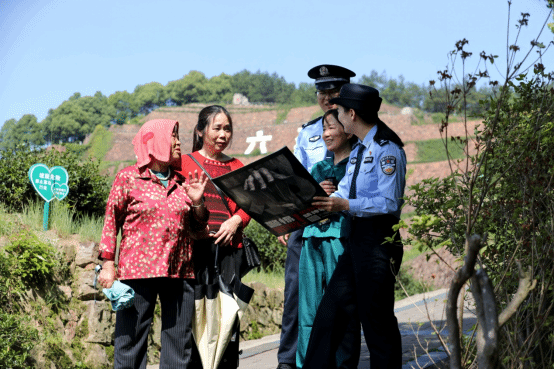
column 121, row 296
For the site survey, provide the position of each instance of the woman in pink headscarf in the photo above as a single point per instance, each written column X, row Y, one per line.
column 157, row 211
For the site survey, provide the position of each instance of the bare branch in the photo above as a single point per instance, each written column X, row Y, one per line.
column 525, row 286
column 473, row 244
column 487, row 331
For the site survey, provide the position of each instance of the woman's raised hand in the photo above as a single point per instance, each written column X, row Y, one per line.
column 195, row 186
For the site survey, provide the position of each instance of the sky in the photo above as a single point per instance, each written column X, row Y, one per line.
column 50, row 49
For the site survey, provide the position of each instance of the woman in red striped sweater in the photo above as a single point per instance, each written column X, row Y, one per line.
column 212, row 135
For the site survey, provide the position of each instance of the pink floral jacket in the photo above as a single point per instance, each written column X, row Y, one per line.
column 156, row 224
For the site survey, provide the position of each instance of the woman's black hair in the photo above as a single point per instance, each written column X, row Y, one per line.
column 383, row 131
column 335, row 113
column 205, row 117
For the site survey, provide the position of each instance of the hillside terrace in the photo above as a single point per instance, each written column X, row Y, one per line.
column 248, row 120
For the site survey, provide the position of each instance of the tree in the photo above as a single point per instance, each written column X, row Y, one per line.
column 262, row 87
column 496, row 208
column 149, row 96
column 77, row 117
column 282, row 89
column 99, row 109
column 5, row 134
column 191, row 88
column 124, row 105
column 304, row 94
column 218, row 89
column 396, row 92
column 26, row 130
column 240, row 82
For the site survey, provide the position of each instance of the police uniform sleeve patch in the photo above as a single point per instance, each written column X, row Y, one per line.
column 388, row 165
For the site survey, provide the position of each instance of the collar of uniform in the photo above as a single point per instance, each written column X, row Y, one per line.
column 369, row 137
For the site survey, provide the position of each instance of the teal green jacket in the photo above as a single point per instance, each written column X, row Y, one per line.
column 338, row 225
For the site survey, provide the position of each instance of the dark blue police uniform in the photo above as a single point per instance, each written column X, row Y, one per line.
column 363, row 281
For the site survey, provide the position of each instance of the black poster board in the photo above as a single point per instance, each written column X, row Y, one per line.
column 284, row 204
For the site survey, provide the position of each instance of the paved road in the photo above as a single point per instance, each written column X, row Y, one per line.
column 421, row 347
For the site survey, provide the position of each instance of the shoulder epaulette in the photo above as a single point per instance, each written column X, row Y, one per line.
column 383, row 142
column 311, row 122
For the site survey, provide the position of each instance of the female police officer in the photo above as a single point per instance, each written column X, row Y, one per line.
column 363, row 281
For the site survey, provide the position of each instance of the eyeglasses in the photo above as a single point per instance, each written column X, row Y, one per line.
column 335, row 92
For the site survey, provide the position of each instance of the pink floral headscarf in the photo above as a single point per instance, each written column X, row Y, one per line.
column 153, row 140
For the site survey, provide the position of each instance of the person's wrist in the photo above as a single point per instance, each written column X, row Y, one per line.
column 108, row 264
column 198, row 205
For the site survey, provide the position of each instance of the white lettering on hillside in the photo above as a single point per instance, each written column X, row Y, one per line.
column 254, row 140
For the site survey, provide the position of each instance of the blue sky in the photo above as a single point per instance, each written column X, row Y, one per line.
column 50, row 49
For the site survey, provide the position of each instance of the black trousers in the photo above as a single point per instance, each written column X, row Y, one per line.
column 362, row 285
column 133, row 324
column 289, row 324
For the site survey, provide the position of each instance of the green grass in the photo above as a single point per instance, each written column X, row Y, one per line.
column 32, row 215
column 6, row 227
column 420, row 116
column 271, row 279
column 438, row 117
column 90, row 228
column 410, row 253
column 430, row 151
column 255, row 152
column 63, row 220
column 100, row 143
column 282, row 113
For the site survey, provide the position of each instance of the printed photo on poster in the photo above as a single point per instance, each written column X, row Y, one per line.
column 276, row 191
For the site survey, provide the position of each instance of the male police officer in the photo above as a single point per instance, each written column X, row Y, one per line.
column 310, row 148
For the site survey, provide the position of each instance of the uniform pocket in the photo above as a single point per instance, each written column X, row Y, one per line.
column 368, row 172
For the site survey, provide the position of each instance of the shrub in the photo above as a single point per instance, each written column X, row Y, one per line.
column 272, row 253
column 35, row 260
column 408, row 286
column 17, row 338
column 10, row 289
column 88, row 189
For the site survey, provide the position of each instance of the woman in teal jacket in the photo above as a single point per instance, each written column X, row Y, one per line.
column 323, row 241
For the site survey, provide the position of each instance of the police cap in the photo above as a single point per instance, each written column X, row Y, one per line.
column 358, row 97
column 329, row 76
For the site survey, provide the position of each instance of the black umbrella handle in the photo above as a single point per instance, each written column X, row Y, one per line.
column 216, row 266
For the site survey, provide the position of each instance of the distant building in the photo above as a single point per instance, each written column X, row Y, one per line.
column 407, row 111
column 240, row 99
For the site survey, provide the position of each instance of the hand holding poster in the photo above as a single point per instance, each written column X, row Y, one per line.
column 276, row 191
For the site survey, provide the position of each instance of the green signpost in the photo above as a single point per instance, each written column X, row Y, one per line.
column 50, row 183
